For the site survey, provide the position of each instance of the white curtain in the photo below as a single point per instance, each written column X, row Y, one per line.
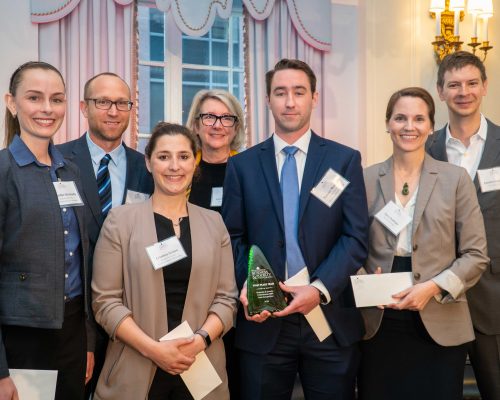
column 94, row 36
column 269, row 41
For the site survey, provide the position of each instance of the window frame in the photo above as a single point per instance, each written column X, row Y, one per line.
column 173, row 66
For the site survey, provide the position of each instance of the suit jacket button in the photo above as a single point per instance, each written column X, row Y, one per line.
column 22, row 276
column 281, row 243
column 415, row 247
column 416, row 275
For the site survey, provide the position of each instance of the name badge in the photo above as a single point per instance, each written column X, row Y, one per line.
column 489, row 179
column 166, row 252
column 135, row 197
column 67, row 194
column 393, row 217
column 330, row 187
column 216, row 199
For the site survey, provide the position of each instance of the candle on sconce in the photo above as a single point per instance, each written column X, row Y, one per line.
column 485, row 29
column 487, row 12
column 456, row 22
column 437, row 7
column 474, row 24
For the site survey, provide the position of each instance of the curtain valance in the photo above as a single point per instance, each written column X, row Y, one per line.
column 311, row 18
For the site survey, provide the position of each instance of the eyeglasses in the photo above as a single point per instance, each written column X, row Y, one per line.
column 105, row 104
column 226, row 121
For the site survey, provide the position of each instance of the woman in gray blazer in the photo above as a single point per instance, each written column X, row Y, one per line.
column 416, row 347
column 157, row 264
column 44, row 278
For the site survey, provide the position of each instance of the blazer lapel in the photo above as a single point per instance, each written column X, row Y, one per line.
column 130, row 176
column 386, row 180
column 491, row 152
column 268, row 164
column 386, row 187
column 315, row 154
column 437, row 147
column 82, row 159
column 426, row 185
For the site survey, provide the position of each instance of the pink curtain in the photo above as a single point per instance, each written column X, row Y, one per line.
column 96, row 36
column 267, row 42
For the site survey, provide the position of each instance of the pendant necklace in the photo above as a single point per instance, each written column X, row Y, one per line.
column 178, row 221
column 406, row 189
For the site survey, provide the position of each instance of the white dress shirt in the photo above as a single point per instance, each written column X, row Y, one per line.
column 300, row 158
column 404, row 246
column 467, row 157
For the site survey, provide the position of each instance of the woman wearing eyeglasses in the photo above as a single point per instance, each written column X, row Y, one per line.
column 216, row 118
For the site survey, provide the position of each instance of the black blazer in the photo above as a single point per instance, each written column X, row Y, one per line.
column 32, row 248
column 484, row 297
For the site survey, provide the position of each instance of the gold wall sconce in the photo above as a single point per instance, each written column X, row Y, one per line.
column 448, row 14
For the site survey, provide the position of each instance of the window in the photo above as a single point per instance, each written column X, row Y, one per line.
column 173, row 67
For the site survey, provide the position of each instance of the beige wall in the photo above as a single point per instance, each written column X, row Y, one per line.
column 19, row 44
column 396, row 37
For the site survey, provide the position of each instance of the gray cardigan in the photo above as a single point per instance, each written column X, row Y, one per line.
column 32, row 249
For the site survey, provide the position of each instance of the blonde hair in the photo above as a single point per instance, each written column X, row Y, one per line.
column 230, row 102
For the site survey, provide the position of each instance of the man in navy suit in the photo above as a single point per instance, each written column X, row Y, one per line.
column 106, row 106
column 331, row 241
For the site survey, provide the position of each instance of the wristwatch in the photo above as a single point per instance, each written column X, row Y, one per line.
column 205, row 336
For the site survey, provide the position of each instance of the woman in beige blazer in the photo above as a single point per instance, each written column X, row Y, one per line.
column 415, row 348
column 137, row 304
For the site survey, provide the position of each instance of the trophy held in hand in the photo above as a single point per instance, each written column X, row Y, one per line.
column 263, row 291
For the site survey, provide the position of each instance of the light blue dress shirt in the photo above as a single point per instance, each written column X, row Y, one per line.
column 117, row 168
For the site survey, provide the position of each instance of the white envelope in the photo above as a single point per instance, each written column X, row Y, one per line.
column 201, row 378
column 377, row 289
column 34, row 384
column 315, row 318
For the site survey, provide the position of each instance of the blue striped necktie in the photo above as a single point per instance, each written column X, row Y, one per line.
column 104, row 185
column 290, row 191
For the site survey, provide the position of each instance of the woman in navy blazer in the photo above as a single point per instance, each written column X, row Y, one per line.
column 43, row 244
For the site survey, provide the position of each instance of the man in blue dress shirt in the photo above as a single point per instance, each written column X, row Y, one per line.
column 268, row 202
column 101, row 152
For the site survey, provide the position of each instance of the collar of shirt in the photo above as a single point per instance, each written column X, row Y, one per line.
column 479, row 135
column 470, row 156
column 300, row 157
column 302, row 143
column 23, row 155
column 97, row 153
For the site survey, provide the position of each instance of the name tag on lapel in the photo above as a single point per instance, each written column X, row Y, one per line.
column 216, row 199
column 489, row 179
column 67, row 194
column 393, row 217
column 330, row 187
column 166, row 252
column 135, row 197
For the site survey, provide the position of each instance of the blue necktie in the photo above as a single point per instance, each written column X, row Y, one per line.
column 290, row 191
column 104, row 185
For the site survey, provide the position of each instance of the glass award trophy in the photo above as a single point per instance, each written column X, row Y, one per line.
column 263, row 291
